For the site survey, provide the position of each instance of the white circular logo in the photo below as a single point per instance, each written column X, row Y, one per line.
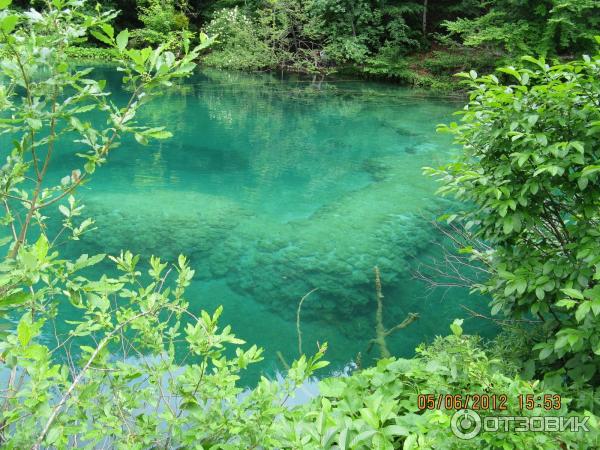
column 465, row 424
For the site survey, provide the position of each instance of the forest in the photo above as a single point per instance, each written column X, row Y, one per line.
column 419, row 43
column 263, row 225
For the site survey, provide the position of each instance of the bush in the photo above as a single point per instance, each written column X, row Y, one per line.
column 163, row 25
column 94, row 53
column 380, row 407
column 238, row 46
column 530, row 170
column 450, row 63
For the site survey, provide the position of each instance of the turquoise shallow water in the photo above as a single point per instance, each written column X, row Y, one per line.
column 274, row 187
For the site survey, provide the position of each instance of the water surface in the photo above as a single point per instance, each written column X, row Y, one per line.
column 274, row 187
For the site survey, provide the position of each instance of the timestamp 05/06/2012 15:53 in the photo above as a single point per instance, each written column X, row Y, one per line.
column 495, row 402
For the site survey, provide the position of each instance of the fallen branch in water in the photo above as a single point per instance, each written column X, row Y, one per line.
column 380, row 331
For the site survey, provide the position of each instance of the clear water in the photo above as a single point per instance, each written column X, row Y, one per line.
column 274, row 187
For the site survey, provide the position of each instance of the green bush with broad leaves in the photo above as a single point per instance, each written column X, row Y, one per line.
column 379, row 407
column 163, row 23
column 531, row 175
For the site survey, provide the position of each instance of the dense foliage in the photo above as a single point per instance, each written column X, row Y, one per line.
column 415, row 41
column 531, row 170
column 529, row 175
column 531, row 26
column 377, row 408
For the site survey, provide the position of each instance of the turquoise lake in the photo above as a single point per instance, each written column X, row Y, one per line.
column 274, row 187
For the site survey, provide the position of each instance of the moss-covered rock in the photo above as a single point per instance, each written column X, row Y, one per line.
column 334, row 250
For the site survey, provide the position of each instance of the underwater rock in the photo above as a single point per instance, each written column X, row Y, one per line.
column 334, row 250
column 376, row 168
column 399, row 130
column 161, row 223
column 405, row 132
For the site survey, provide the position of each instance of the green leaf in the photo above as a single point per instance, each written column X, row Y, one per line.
column 578, row 146
column 361, row 438
column 141, row 138
column 99, row 301
column 102, row 37
column 542, row 139
column 456, row 327
column 510, row 71
column 589, row 170
column 42, row 246
column 158, row 133
column 521, row 285
column 122, row 39
column 84, row 261
column 370, row 417
column 538, row 62
column 35, row 124
column 583, row 310
column 54, row 434
column 596, row 307
column 25, row 330
column 566, row 303
column 561, row 341
column 410, row 442
column 573, row 293
column 5, row 4
column 396, row 430
column 332, row 387
column 14, row 299
column 507, row 226
column 8, row 24
column 546, row 351
column 108, row 29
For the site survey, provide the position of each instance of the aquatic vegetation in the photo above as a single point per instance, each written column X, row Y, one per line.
column 190, row 220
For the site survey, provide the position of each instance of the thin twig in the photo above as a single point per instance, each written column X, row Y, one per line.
column 57, row 409
column 298, row 330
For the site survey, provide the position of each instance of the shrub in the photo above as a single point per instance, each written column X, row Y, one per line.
column 393, row 405
column 238, row 45
column 450, row 63
column 94, row 53
column 530, row 170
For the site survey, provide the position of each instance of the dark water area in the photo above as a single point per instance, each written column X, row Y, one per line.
column 274, row 187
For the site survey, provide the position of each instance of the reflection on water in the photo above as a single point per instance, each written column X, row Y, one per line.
column 276, row 187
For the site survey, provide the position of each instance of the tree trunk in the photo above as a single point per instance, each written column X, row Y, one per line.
column 424, row 16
